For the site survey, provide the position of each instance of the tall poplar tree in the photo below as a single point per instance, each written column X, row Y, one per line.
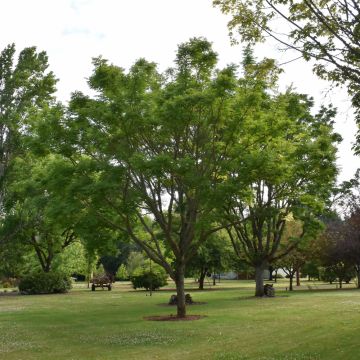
column 26, row 87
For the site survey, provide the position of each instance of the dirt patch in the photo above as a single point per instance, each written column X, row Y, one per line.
column 173, row 318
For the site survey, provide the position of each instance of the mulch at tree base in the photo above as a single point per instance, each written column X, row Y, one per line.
column 194, row 303
column 173, row 318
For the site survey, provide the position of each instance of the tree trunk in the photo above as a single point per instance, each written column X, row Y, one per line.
column 340, row 283
column 202, row 278
column 180, row 292
column 358, row 278
column 276, row 271
column 259, row 279
column 271, row 269
column 291, row 277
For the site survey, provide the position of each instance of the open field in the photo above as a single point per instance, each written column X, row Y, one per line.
column 317, row 324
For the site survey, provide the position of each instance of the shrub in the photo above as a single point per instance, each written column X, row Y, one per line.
column 327, row 274
column 146, row 279
column 45, row 283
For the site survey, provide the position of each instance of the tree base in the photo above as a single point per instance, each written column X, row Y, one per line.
column 174, row 300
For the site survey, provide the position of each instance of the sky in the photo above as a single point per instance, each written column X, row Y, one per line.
column 72, row 32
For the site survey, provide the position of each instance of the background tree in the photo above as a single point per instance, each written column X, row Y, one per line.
column 352, row 242
column 325, row 31
column 212, row 257
column 334, row 255
column 42, row 221
column 291, row 264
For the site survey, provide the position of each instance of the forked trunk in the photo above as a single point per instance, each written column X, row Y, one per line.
column 180, row 292
column 259, row 280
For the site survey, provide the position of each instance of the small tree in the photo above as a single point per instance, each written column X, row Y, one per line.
column 214, row 256
column 291, row 264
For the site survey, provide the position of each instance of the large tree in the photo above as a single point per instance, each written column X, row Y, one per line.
column 288, row 178
column 26, row 86
column 149, row 150
column 326, row 31
column 154, row 155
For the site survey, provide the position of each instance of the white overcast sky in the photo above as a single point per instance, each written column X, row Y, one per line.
column 74, row 31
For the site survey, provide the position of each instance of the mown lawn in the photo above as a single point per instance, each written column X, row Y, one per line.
column 317, row 324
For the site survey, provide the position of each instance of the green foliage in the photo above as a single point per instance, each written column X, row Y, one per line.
column 328, row 274
column 144, row 278
column 45, row 283
column 122, row 273
column 310, row 269
column 26, row 88
column 216, row 255
column 72, row 260
column 327, row 32
column 134, row 262
column 169, row 159
column 286, row 172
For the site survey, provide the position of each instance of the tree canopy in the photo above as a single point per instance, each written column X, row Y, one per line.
column 327, row 31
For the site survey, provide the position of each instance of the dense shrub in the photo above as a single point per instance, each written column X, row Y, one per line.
column 146, row 279
column 327, row 274
column 45, row 283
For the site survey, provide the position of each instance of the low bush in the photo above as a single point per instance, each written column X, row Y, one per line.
column 147, row 279
column 45, row 283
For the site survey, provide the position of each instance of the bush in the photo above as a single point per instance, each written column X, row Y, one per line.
column 327, row 274
column 45, row 283
column 146, row 279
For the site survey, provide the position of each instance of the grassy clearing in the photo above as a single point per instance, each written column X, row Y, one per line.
column 320, row 324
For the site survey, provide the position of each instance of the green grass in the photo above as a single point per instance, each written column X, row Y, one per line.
column 303, row 325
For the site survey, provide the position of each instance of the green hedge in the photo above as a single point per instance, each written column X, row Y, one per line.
column 45, row 283
column 146, row 279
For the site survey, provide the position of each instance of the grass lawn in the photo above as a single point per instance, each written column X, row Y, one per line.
column 316, row 324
